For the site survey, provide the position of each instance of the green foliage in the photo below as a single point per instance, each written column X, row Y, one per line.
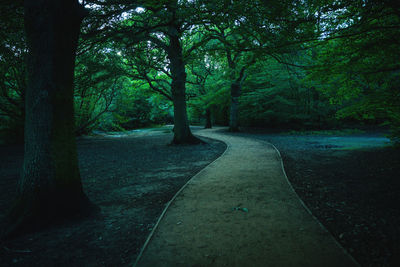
column 137, row 107
column 213, row 93
column 98, row 77
column 273, row 95
column 12, row 73
column 123, row 77
column 360, row 72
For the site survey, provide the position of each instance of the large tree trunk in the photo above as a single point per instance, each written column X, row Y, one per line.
column 182, row 133
column 50, row 186
column 234, row 112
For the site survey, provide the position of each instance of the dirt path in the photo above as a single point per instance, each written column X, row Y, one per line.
column 241, row 211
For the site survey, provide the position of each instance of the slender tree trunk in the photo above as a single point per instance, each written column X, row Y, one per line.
column 182, row 133
column 236, row 88
column 234, row 112
column 208, row 119
column 50, row 186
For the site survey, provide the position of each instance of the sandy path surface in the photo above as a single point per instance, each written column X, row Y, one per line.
column 241, row 211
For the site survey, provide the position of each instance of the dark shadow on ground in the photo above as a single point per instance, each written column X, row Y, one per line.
column 130, row 177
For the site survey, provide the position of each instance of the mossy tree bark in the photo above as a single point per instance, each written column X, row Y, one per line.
column 50, row 186
column 182, row 133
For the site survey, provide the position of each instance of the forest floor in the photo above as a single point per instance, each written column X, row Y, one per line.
column 241, row 211
column 130, row 176
column 350, row 183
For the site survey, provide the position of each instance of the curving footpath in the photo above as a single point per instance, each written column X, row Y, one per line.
column 240, row 211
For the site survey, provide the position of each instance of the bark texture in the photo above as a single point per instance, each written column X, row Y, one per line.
column 234, row 112
column 50, row 185
column 182, row 133
column 208, row 119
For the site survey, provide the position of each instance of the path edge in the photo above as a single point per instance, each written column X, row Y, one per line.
column 307, row 209
column 155, row 227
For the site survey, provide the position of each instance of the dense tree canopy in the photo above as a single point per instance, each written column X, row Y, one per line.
column 317, row 63
column 292, row 64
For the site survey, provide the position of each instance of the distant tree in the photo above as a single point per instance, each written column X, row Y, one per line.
column 163, row 25
column 238, row 59
column 357, row 61
column 99, row 75
column 248, row 31
column 200, row 68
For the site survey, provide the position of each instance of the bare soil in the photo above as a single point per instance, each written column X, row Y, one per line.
column 353, row 192
column 130, row 178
